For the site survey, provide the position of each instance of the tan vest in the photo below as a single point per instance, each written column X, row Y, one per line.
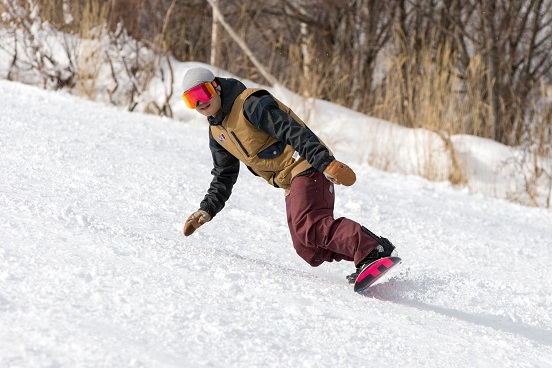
column 245, row 142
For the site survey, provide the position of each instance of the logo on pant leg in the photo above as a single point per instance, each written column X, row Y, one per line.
column 331, row 188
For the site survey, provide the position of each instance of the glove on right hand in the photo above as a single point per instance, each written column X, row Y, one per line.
column 195, row 220
column 339, row 173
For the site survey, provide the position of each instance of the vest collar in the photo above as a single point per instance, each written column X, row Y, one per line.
column 230, row 89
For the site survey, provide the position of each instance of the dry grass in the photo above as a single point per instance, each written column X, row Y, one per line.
column 425, row 90
column 91, row 31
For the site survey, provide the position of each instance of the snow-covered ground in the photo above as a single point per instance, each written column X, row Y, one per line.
column 95, row 271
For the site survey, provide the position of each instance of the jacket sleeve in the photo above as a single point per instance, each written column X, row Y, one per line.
column 263, row 111
column 225, row 174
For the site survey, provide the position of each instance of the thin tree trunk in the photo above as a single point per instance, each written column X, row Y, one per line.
column 306, row 58
column 241, row 43
column 214, row 36
column 359, row 53
column 493, row 64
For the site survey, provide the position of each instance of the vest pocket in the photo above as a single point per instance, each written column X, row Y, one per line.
column 272, row 151
column 240, row 144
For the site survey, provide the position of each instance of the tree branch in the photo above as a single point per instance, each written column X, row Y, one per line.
column 241, row 43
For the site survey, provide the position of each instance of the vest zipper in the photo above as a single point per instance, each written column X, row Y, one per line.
column 240, row 144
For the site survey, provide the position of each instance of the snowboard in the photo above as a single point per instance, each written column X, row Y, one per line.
column 374, row 271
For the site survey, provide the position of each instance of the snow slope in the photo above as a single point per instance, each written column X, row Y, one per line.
column 95, row 272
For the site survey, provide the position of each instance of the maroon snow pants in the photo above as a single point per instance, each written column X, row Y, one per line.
column 317, row 236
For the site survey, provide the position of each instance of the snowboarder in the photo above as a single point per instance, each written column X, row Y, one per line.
column 251, row 126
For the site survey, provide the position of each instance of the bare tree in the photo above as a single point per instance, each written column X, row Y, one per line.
column 514, row 38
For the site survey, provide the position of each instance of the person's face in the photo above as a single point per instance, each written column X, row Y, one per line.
column 212, row 107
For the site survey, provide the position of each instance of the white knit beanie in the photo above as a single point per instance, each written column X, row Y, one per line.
column 195, row 77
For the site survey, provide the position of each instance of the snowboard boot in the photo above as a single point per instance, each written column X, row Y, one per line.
column 384, row 249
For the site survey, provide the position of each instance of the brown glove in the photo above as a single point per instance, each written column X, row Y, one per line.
column 339, row 173
column 195, row 220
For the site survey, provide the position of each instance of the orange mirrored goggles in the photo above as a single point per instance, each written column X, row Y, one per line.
column 203, row 92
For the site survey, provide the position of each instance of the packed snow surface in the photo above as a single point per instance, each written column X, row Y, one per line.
column 95, row 271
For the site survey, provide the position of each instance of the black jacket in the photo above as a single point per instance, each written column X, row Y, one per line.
column 263, row 112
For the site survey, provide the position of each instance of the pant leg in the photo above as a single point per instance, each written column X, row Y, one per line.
column 317, row 236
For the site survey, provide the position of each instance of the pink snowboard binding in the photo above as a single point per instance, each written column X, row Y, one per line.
column 374, row 271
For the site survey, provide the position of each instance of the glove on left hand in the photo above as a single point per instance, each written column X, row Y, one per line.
column 339, row 173
column 195, row 220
